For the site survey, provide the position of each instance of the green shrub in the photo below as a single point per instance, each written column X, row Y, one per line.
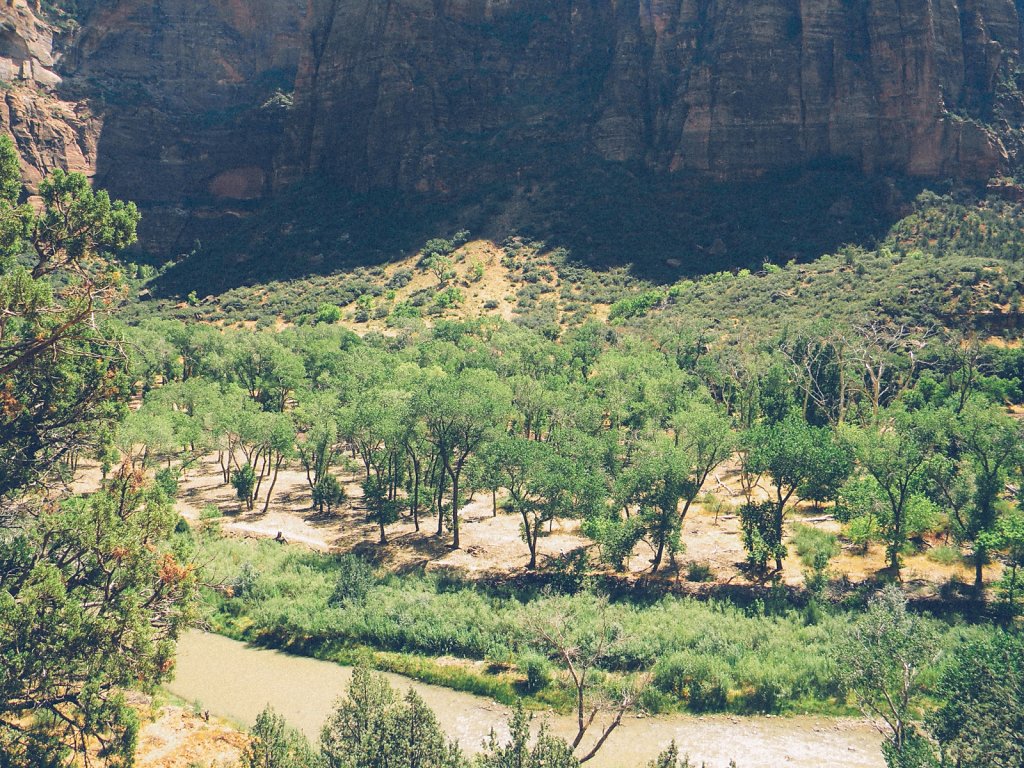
column 703, row 682
column 813, row 544
column 945, row 555
column 400, row 279
column 247, row 583
column 355, row 579
column 636, row 306
column 210, row 512
column 536, row 668
column 448, row 298
column 329, row 314
column 699, row 572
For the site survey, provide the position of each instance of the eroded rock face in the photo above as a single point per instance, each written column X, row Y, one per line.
column 50, row 132
column 423, row 94
column 187, row 107
column 187, row 93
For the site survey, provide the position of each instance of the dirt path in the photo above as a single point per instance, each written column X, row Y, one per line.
column 236, row 681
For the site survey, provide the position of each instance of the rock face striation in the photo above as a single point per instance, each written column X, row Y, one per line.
column 192, row 96
column 198, row 109
column 401, row 93
column 49, row 132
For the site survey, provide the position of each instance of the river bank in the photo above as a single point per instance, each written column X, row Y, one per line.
column 236, row 681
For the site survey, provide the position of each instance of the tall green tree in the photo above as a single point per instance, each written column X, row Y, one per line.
column 373, row 728
column 524, row 750
column 704, row 431
column 896, row 453
column 275, row 745
column 881, row 661
column 789, row 452
column 62, row 367
column 542, row 485
column 461, row 412
column 994, row 441
column 656, row 482
column 980, row 723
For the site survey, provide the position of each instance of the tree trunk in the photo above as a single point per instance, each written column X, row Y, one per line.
column 659, row 555
column 531, row 540
column 416, row 495
column 273, row 482
column 440, row 503
column 455, row 507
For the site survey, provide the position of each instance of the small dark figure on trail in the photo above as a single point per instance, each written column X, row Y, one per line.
column 280, row 538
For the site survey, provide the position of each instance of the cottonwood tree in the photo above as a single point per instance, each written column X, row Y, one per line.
column 542, row 485
column 317, row 427
column 704, row 431
column 579, row 632
column 993, row 440
column 881, row 661
column 266, row 368
column 790, row 453
column 659, row 478
column 896, row 453
column 980, row 723
column 461, row 412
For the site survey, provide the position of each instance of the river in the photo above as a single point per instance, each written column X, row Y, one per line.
column 236, row 681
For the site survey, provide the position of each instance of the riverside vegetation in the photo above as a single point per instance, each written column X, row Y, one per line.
column 891, row 411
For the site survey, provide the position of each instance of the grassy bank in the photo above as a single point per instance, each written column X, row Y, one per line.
column 704, row 656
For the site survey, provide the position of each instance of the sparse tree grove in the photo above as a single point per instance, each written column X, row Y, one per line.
column 902, row 437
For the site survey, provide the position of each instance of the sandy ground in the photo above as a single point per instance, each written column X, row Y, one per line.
column 493, row 546
column 178, row 738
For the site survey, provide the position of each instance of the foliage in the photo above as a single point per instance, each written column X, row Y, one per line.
column 790, row 452
column 355, row 579
column 521, row 751
column 670, row 758
column 762, row 533
column 881, row 661
column 274, row 745
column 896, row 455
column 778, row 662
column 371, row 727
column 243, row 480
column 62, row 366
column 328, row 494
column 982, row 690
column 93, row 593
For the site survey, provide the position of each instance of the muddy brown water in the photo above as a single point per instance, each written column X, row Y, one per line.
column 236, row 681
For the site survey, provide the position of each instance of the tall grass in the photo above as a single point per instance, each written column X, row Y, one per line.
column 709, row 656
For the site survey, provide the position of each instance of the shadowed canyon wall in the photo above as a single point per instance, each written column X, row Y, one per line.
column 402, row 93
column 198, row 110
